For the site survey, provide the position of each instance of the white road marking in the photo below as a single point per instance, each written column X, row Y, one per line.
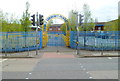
column 2, row 60
column 58, row 53
column 90, row 77
column 30, row 73
column 26, row 78
column 109, row 58
column 5, row 59
column 81, row 66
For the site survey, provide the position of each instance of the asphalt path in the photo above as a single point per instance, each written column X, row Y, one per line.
column 67, row 68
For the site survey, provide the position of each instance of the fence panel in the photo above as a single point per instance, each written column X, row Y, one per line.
column 102, row 40
column 19, row 41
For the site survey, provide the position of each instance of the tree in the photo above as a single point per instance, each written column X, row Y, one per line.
column 1, row 20
column 88, row 24
column 50, row 22
column 111, row 25
column 72, row 21
column 9, row 23
column 25, row 21
column 64, row 27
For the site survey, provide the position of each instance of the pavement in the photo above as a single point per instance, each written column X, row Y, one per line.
column 83, row 53
column 60, row 65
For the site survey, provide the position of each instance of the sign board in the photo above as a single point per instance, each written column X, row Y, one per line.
column 54, row 16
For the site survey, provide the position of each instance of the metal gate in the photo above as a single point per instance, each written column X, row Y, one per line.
column 55, row 39
column 56, row 43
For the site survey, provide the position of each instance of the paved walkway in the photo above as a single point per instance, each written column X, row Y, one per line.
column 57, row 55
column 60, row 50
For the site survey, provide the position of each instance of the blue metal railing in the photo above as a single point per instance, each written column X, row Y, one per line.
column 103, row 40
column 19, row 41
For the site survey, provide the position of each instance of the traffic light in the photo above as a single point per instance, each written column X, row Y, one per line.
column 41, row 19
column 33, row 19
column 80, row 19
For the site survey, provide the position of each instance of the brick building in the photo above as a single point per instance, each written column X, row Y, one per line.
column 55, row 27
column 99, row 26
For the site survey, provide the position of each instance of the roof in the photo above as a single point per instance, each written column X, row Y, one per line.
column 100, row 23
column 56, row 25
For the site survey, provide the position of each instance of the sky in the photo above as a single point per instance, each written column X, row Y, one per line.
column 119, row 8
column 103, row 10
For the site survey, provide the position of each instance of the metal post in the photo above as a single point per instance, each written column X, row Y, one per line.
column 101, row 43
column 77, row 40
column 102, row 49
column 28, row 51
column 77, row 33
column 36, row 34
column 77, row 24
column 57, row 43
column 5, row 50
column 6, row 42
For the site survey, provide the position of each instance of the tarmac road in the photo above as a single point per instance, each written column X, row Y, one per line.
column 53, row 65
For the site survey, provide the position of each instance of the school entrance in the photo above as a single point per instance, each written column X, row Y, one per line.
column 55, row 40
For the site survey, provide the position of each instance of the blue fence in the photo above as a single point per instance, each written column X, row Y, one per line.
column 55, row 39
column 101, row 40
column 19, row 41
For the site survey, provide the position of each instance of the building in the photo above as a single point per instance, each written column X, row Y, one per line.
column 99, row 26
column 55, row 27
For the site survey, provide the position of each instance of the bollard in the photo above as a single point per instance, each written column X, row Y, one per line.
column 102, row 48
column 28, row 51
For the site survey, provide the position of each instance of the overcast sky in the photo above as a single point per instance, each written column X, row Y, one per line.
column 103, row 10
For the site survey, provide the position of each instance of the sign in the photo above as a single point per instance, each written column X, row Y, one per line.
column 54, row 16
column 58, row 16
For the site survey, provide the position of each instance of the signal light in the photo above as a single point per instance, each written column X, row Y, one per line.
column 33, row 19
column 80, row 19
column 41, row 19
